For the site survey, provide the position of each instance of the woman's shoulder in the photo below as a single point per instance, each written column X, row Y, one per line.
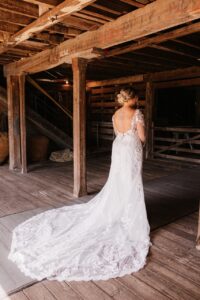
column 116, row 112
column 139, row 116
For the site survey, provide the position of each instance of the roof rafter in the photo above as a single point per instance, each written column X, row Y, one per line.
column 50, row 18
column 163, row 37
column 134, row 25
column 133, row 3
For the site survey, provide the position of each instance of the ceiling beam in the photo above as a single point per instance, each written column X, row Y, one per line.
column 14, row 18
column 191, row 72
column 48, row 19
column 50, row 3
column 134, row 25
column 163, row 37
column 133, row 3
column 115, row 81
column 20, row 7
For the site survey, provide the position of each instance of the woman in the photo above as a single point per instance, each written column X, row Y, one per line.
column 106, row 237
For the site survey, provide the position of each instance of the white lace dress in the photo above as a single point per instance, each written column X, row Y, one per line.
column 107, row 237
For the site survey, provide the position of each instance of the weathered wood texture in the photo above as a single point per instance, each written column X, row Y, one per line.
column 198, row 231
column 149, row 108
column 163, row 37
column 50, row 18
column 79, row 126
column 134, row 25
column 23, row 125
column 16, row 122
column 50, row 185
column 180, row 143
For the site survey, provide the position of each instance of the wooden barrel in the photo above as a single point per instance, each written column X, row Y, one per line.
column 4, row 146
column 38, row 148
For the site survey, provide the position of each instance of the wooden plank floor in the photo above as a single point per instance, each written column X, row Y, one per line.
column 50, row 184
column 173, row 267
column 172, row 272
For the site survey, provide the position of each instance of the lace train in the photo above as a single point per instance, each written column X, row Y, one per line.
column 107, row 237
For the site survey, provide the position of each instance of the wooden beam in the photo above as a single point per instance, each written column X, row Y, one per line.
column 79, row 126
column 178, row 83
column 133, row 3
column 22, row 124
column 14, row 18
column 97, row 16
column 50, row 3
column 43, row 8
column 198, row 232
column 189, row 44
column 9, row 28
column 95, row 20
column 115, row 81
column 78, row 23
column 20, row 7
column 48, row 19
column 190, row 72
column 149, row 107
column 104, row 8
column 134, row 25
column 4, row 36
column 14, row 86
column 168, row 49
column 163, row 37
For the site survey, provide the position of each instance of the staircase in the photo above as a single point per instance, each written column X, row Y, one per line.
column 43, row 126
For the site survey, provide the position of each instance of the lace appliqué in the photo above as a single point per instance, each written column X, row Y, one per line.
column 106, row 237
column 140, row 117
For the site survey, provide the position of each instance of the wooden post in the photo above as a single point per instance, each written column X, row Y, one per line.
column 149, row 107
column 16, row 123
column 23, row 124
column 198, row 232
column 79, row 126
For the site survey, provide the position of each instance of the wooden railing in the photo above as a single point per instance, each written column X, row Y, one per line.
column 180, row 143
column 102, row 131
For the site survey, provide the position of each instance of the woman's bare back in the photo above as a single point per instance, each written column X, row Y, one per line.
column 122, row 119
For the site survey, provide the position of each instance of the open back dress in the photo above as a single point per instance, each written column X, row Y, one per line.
column 107, row 237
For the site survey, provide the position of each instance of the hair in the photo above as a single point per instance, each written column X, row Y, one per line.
column 126, row 94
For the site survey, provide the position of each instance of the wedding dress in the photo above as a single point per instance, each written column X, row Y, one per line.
column 107, row 237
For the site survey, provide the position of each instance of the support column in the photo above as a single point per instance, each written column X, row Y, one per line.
column 16, row 123
column 79, row 126
column 149, row 108
column 198, row 232
column 23, row 125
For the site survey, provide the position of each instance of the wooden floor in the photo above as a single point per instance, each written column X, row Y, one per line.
column 173, row 265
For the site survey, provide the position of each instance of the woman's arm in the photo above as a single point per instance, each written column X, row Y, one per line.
column 141, row 132
column 141, row 127
column 113, row 121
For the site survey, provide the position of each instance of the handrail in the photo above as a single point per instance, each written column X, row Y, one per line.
column 37, row 86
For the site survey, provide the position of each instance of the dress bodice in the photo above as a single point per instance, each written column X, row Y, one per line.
column 137, row 117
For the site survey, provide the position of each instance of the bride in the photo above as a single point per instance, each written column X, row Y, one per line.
column 107, row 237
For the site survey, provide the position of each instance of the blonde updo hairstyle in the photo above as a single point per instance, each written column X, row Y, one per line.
column 126, row 94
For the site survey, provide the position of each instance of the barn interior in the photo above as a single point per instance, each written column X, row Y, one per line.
column 61, row 65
